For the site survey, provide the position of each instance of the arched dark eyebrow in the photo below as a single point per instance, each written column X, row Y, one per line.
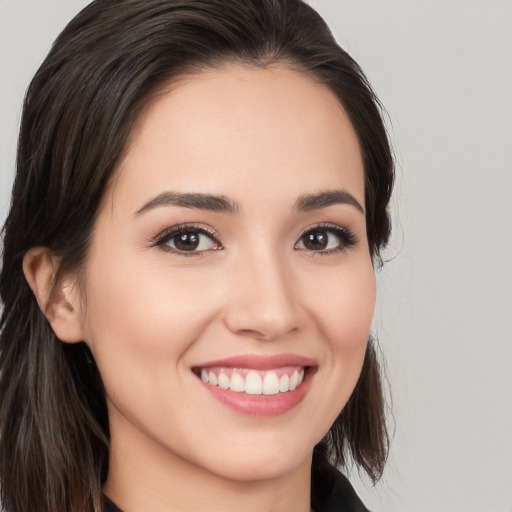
column 324, row 199
column 197, row 201
column 193, row 201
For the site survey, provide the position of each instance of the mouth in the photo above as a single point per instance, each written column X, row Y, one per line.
column 258, row 385
column 254, row 382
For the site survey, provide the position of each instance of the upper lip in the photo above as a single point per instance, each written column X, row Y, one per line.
column 261, row 362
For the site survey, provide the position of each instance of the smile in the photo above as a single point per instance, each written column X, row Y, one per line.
column 258, row 385
column 254, row 382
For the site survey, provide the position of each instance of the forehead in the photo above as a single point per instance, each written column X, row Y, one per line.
column 242, row 128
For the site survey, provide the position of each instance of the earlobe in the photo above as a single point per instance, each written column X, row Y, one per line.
column 59, row 301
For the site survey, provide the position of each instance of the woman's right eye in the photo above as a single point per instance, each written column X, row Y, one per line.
column 187, row 241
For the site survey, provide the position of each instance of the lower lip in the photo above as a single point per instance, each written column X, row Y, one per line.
column 261, row 405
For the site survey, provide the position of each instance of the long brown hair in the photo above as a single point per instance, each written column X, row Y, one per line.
column 78, row 113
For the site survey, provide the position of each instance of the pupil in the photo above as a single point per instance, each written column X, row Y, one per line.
column 317, row 240
column 187, row 241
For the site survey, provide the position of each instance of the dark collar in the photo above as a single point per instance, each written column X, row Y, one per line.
column 331, row 491
column 110, row 506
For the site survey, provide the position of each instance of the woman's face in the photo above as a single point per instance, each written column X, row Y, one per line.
column 231, row 249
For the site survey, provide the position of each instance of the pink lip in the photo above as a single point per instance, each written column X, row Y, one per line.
column 258, row 362
column 262, row 405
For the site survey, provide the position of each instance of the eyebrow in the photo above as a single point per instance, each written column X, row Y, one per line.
column 198, row 201
column 194, row 201
column 324, row 199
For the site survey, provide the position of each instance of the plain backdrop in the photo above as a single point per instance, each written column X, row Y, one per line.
column 443, row 69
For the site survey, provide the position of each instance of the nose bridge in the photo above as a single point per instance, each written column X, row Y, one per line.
column 264, row 303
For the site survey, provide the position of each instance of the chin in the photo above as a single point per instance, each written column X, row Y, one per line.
column 247, row 461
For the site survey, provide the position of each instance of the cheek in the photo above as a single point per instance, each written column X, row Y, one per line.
column 125, row 316
column 345, row 309
column 138, row 328
column 141, row 314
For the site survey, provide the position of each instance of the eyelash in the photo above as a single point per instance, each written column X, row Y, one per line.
column 168, row 234
column 345, row 237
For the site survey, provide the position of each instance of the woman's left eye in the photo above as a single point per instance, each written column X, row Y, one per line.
column 326, row 239
column 187, row 241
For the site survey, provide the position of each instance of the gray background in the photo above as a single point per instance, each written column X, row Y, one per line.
column 443, row 71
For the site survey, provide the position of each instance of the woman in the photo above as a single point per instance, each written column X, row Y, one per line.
column 188, row 273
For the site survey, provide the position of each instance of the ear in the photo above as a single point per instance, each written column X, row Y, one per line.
column 59, row 301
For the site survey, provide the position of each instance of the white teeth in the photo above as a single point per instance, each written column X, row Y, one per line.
column 271, row 384
column 253, row 384
column 294, row 380
column 237, row 383
column 223, row 381
column 284, row 383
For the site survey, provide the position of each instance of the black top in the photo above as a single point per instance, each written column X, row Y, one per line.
column 330, row 491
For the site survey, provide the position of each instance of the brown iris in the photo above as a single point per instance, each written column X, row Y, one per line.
column 187, row 241
column 316, row 240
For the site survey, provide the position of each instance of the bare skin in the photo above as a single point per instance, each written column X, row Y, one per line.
column 266, row 274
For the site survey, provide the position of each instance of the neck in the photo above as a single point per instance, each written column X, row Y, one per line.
column 146, row 477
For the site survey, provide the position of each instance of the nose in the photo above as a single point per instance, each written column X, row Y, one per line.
column 263, row 301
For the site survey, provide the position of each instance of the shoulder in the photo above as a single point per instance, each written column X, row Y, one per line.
column 331, row 491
